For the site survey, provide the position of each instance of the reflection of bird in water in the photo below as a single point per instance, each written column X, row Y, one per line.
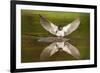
column 57, row 30
column 59, row 46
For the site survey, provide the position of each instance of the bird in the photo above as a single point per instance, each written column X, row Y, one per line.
column 58, row 30
column 58, row 47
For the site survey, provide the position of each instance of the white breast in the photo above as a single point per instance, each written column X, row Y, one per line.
column 60, row 44
column 60, row 33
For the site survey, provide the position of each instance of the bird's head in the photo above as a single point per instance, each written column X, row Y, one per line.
column 60, row 27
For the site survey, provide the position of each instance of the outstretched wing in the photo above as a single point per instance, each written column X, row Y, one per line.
column 48, row 25
column 72, row 50
column 71, row 27
column 48, row 51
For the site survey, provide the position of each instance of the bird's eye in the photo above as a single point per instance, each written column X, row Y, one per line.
column 60, row 28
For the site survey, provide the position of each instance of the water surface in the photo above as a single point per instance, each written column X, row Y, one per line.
column 31, row 49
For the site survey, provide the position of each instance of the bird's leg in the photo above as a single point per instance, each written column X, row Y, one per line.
column 60, row 37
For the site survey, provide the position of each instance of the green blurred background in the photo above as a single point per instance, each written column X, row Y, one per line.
column 30, row 27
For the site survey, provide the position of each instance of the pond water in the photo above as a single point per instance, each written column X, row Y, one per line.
column 36, row 51
column 77, row 47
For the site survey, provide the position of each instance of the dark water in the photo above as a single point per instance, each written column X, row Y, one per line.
column 31, row 49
